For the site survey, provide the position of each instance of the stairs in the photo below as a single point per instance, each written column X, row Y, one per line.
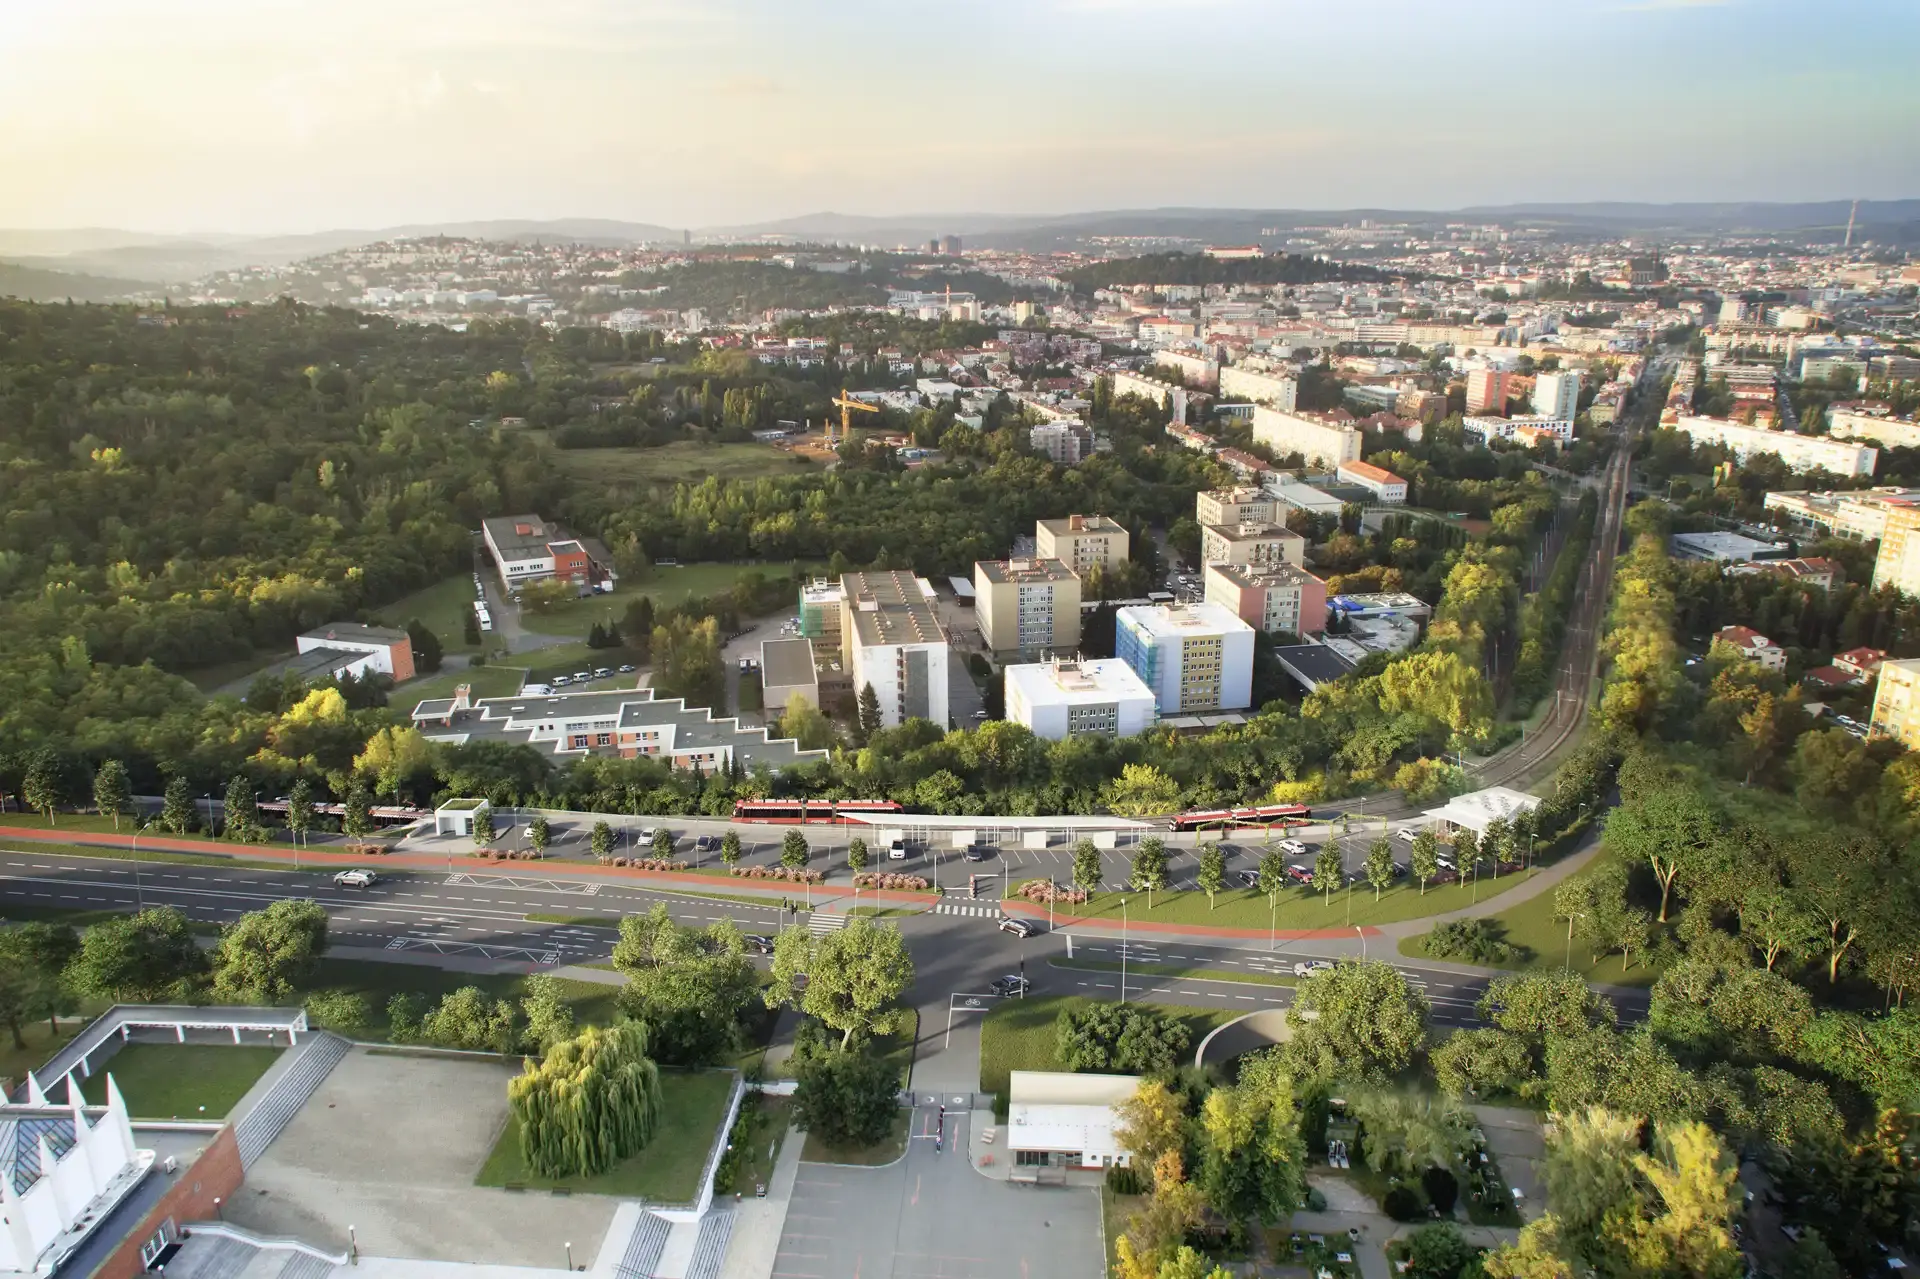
column 716, row 1229
column 820, row 923
column 211, row 1257
column 284, row 1098
column 304, row 1267
column 648, row 1241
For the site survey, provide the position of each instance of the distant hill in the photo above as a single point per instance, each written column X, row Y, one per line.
column 38, row 285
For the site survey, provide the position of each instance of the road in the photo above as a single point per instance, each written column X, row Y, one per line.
column 957, row 948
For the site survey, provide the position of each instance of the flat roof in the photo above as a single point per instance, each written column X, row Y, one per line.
column 1478, row 809
column 356, row 632
column 892, row 608
column 1255, row 533
column 1001, row 572
column 1066, row 526
column 1260, row 576
column 1100, row 679
column 786, row 663
column 504, row 531
column 1182, row 619
column 1312, row 664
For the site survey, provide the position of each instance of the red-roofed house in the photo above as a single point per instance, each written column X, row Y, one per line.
column 1387, row 488
column 1753, row 646
column 1861, row 663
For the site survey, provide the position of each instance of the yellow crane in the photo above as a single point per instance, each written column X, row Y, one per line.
column 846, row 404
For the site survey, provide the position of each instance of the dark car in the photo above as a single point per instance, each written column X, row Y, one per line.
column 758, row 944
column 1019, row 927
column 1248, row 878
column 706, row 843
column 977, row 852
column 1011, row 984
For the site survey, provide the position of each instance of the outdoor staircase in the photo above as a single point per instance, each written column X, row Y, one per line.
column 821, row 922
column 297, row 1082
column 211, row 1257
column 644, row 1246
column 215, row 1250
column 716, row 1229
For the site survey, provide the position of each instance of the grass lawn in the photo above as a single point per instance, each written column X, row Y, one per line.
column 678, row 462
column 592, row 1002
column 182, row 1081
column 1531, row 924
column 693, row 1105
column 893, row 1147
column 897, row 1048
column 488, row 681
column 42, row 1042
column 1018, row 1034
column 1191, row 971
column 666, row 584
column 444, row 607
column 1298, row 908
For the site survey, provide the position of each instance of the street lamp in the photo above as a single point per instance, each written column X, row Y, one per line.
column 1123, row 950
column 568, row 1245
column 1571, row 916
column 1361, row 933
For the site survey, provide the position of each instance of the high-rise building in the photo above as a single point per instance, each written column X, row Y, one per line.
column 1081, row 542
column 1270, row 597
column 1557, row 394
column 892, row 639
column 1896, row 702
column 1251, row 544
column 1246, row 505
column 1027, row 606
column 1898, row 564
column 1067, row 699
column 1487, row 391
column 1197, row 658
column 1273, row 389
column 1323, row 439
column 951, row 245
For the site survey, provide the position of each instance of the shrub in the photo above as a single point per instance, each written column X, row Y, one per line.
column 1474, row 941
column 1442, row 1187
column 1121, row 1038
column 1044, row 891
column 340, row 1010
column 1125, row 1180
column 1402, row 1204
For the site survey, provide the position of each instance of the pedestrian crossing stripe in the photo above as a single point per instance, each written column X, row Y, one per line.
column 956, row 908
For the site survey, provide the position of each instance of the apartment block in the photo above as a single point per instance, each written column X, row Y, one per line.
column 1246, row 505
column 1189, row 368
column 1487, row 391
column 1081, row 542
column 1799, row 452
column 1027, row 605
column 821, row 603
column 1067, row 699
column 1251, row 544
column 1197, row 658
column 1488, row 429
column 1857, row 422
column 1167, row 395
column 1898, row 564
column 1322, row 438
column 892, row 639
column 1858, row 514
column 1557, row 393
column 1387, row 488
column 1270, row 597
column 1065, row 442
column 1896, row 702
column 1273, row 389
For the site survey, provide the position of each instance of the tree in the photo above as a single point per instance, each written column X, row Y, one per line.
column 343, row 1011
column 1696, row 1185
column 1438, row 1251
column 687, row 663
column 1087, row 871
column 539, row 834
column 1379, row 867
column 1151, row 1121
column 692, row 986
column 1185, row 1263
column 1159, row 1228
column 1357, row 1021
column 1149, row 870
column 870, row 721
column 472, row 1020
column 1540, row 1006
column 357, row 821
column 1134, row 1039
column 33, row 959
column 1472, row 1063
column 846, row 1099
column 41, row 787
column 112, row 791
column 265, row 954
column 141, row 958
column 426, row 647
column 1589, row 1167
column 549, row 1018
column 484, row 831
column 176, row 807
column 1669, row 827
column 805, row 724
column 1327, row 870
column 1273, row 874
column 1536, row 1254
column 600, row 839
column 393, row 756
column 1212, row 876
column 730, row 848
column 300, row 809
column 1141, row 790
column 1425, row 859
column 591, row 1102
column 662, row 843
column 853, row 977
column 794, row 850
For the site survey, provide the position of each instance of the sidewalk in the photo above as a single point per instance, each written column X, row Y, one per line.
column 759, row 1223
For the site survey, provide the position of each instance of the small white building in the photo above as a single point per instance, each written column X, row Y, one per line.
column 1061, row 1120
column 1477, row 810
column 457, row 816
column 1753, row 646
column 1065, row 699
column 1387, row 488
column 63, row 1169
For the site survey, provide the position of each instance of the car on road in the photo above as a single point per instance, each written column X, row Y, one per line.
column 979, row 714
column 977, row 853
column 628, row 668
column 1308, row 967
column 1019, row 927
column 759, row 944
column 356, row 878
column 644, row 835
column 605, row 672
column 897, row 850
column 581, row 677
column 1011, row 984
column 1407, row 833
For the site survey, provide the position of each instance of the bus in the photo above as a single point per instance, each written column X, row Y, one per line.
column 808, row 810
column 1225, row 818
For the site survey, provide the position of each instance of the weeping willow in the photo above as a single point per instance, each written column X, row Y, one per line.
column 591, row 1102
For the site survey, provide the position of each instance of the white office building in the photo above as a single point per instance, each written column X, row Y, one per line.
column 1273, row 389
column 1196, row 658
column 1322, row 439
column 893, row 640
column 1065, row 699
column 1799, row 452
column 1557, row 394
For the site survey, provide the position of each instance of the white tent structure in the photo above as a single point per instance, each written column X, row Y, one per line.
column 1479, row 809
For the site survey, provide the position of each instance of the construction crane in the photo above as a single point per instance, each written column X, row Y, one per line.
column 846, row 405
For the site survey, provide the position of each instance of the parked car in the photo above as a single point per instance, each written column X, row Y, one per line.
column 605, row 672
column 758, row 944
column 979, row 714
column 897, row 850
column 356, row 878
column 977, row 853
column 1308, row 967
column 628, row 668
column 1407, row 833
column 1019, row 927
column 581, row 677
column 1248, row 878
column 1011, row 984
column 1300, row 874
column 644, row 835
column 561, row 681
column 1292, row 847
column 706, row 844
column 745, row 666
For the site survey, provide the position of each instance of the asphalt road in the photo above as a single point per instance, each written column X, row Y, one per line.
column 957, row 948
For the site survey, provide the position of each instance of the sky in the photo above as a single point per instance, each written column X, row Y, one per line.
column 280, row 116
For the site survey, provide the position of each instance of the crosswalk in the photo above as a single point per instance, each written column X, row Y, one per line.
column 960, row 908
column 820, row 923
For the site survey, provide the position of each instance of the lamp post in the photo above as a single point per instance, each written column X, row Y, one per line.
column 139, row 893
column 1123, row 950
column 1571, row 916
column 568, row 1245
column 1361, row 933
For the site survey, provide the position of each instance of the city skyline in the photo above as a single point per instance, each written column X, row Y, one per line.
column 294, row 117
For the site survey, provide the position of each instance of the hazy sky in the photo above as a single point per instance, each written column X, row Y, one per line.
column 298, row 115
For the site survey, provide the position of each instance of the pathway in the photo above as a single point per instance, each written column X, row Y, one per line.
column 1545, row 881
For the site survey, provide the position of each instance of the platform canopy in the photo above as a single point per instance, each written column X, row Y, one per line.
column 1477, row 810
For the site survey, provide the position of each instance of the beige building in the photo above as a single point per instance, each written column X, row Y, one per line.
column 1081, row 542
column 1251, row 544
column 1896, row 702
column 1898, row 564
column 1276, row 389
column 1027, row 606
column 1323, row 439
column 1246, row 505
